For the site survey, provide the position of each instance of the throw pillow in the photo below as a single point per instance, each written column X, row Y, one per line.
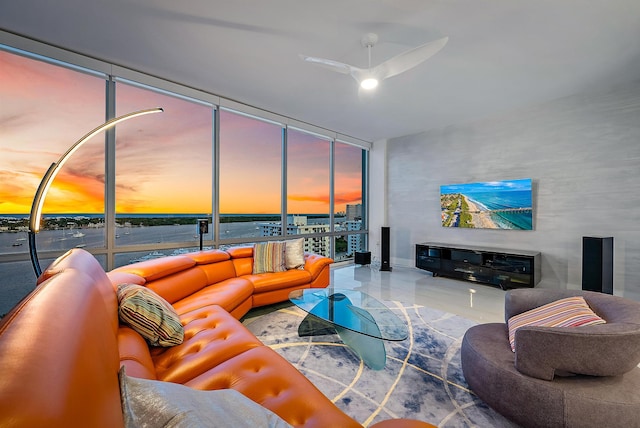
column 152, row 403
column 568, row 312
column 294, row 253
column 269, row 257
column 150, row 315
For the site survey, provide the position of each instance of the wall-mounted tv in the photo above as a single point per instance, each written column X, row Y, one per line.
column 490, row 205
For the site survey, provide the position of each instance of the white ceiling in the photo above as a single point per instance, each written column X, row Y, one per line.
column 501, row 55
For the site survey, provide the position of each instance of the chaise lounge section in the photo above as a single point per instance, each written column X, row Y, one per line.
column 580, row 377
column 62, row 347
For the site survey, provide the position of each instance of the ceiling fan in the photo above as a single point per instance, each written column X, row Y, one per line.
column 370, row 77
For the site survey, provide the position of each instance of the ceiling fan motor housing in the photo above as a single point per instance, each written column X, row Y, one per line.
column 369, row 40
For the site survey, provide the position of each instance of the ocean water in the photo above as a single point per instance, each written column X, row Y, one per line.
column 18, row 278
column 505, row 200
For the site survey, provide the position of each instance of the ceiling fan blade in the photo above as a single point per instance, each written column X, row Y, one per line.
column 328, row 63
column 409, row 59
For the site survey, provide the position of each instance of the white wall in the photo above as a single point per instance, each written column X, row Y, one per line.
column 377, row 195
column 583, row 154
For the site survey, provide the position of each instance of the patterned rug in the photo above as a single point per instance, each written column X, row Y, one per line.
column 422, row 378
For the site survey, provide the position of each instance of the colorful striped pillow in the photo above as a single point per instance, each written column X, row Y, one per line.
column 269, row 257
column 150, row 315
column 569, row 312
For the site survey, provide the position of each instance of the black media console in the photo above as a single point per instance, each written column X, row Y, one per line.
column 499, row 267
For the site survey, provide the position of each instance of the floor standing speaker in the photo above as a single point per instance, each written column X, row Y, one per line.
column 385, row 255
column 597, row 264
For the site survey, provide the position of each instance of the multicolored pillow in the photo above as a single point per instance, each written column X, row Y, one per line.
column 150, row 315
column 294, row 253
column 269, row 257
column 569, row 312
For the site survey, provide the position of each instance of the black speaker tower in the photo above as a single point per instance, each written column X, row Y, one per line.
column 597, row 264
column 384, row 250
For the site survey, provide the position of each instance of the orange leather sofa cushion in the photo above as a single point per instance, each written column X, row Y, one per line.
column 59, row 351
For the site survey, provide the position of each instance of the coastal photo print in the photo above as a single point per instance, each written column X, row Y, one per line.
column 489, row 205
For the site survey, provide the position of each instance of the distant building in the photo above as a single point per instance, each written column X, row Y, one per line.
column 354, row 242
column 298, row 225
column 354, row 212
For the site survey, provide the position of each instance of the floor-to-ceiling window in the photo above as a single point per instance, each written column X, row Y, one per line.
column 250, row 176
column 348, row 198
column 163, row 172
column 309, row 188
column 44, row 108
column 136, row 191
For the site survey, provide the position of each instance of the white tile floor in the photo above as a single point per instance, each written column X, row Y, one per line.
column 481, row 303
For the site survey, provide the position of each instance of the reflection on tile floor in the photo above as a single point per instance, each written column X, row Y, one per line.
column 478, row 302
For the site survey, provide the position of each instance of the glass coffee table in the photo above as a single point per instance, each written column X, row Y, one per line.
column 361, row 321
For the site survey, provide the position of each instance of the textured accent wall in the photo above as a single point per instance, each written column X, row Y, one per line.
column 583, row 154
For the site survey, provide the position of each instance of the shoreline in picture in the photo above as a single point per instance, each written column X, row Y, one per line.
column 488, row 205
column 480, row 218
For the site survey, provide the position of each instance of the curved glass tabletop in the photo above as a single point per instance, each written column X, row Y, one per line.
column 353, row 310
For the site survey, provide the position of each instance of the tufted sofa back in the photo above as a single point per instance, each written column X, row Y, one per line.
column 242, row 258
column 192, row 271
column 74, row 380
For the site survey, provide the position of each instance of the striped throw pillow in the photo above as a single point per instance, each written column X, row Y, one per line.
column 150, row 315
column 569, row 312
column 269, row 257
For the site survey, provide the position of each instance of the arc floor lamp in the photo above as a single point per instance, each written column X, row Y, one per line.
column 38, row 201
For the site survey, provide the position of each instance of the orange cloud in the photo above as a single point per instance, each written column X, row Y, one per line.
column 309, row 198
column 353, row 197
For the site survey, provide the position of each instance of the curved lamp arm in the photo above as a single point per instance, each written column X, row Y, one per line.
column 38, row 200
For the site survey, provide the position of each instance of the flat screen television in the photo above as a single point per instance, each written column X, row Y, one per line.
column 489, row 205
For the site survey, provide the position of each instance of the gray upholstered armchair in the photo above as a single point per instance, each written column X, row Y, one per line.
column 559, row 376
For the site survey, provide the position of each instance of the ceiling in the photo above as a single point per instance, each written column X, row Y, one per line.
column 501, row 54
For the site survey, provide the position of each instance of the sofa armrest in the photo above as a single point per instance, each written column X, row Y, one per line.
column 599, row 350
column 314, row 263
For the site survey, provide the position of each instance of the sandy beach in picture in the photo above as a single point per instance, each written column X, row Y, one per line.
column 479, row 218
column 503, row 204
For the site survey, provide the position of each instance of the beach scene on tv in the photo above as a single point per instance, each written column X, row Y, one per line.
column 489, row 205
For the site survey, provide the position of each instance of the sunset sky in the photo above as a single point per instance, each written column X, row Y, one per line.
column 163, row 161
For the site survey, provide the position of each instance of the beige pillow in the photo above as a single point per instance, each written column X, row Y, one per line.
column 150, row 315
column 152, row 403
column 294, row 253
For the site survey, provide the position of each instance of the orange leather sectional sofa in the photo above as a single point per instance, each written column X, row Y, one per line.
column 62, row 347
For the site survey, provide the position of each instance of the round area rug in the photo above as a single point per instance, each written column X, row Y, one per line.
column 422, row 378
